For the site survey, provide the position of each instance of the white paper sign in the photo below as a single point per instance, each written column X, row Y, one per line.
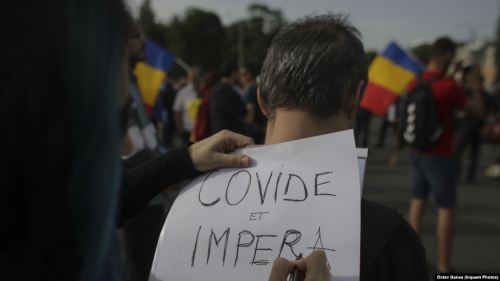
column 298, row 196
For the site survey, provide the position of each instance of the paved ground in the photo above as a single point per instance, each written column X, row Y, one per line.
column 477, row 239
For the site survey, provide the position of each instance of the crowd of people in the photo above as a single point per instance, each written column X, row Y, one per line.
column 471, row 130
column 85, row 163
column 205, row 102
column 467, row 117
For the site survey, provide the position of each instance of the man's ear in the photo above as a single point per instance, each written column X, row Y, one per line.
column 261, row 102
column 353, row 103
column 360, row 90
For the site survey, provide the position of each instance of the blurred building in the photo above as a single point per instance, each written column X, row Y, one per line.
column 479, row 51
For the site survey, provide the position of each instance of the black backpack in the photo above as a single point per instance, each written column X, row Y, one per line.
column 420, row 124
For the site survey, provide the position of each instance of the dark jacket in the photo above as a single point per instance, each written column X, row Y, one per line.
column 390, row 249
column 227, row 110
column 141, row 184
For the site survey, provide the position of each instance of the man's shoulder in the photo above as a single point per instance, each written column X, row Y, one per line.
column 441, row 84
column 389, row 246
column 225, row 92
column 379, row 224
column 222, row 87
column 438, row 81
column 376, row 222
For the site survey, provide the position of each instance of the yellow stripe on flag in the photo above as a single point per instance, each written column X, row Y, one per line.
column 149, row 80
column 389, row 75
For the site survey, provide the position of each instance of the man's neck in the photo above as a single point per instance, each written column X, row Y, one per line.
column 296, row 124
column 436, row 66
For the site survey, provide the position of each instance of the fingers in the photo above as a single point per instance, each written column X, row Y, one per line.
column 237, row 140
column 317, row 261
column 281, row 269
column 236, row 161
column 211, row 153
column 315, row 266
column 242, row 141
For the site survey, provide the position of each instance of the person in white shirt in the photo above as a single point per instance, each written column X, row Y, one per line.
column 183, row 104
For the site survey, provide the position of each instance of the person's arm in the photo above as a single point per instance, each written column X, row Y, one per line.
column 141, row 184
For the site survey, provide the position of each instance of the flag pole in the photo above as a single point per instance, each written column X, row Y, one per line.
column 182, row 64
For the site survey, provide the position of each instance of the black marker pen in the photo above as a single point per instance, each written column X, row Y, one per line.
column 296, row 274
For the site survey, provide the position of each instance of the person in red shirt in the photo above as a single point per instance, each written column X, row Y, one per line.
column 434, row 169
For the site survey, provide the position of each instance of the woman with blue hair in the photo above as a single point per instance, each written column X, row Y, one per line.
column 62, row 86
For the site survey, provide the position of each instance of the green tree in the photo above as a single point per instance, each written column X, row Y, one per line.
column 146, row 16
column 197, row 37
column 272, row 19
column 258, row 30
column 154, row 30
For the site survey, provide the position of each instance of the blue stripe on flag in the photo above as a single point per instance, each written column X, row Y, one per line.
column 399, row 56
column 158, row 57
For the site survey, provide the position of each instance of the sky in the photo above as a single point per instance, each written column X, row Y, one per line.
column 409, row 22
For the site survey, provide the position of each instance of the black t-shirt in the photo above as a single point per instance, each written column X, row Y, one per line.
column 227, row 110
column 390, row 248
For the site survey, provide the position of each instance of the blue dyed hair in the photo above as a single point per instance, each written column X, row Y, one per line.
column 60, row 165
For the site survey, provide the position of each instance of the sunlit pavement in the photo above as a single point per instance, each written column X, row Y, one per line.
column 476, row 245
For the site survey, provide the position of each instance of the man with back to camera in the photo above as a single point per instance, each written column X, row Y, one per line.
column 435, row 168
column 312, row 78
column 227, row 108
column 256, row 121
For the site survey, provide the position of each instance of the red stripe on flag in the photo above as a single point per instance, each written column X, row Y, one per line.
column 377, row 99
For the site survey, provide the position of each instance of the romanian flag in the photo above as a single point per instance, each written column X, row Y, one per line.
column 152, row 73
column 389, row 74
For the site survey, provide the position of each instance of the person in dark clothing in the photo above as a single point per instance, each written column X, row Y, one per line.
column 256, row 120
column 163, row 114
column 227, row 109
column 362, row 127
column 388, row 121
column 390, row 248
column 60, row 145
column 469, row 125
column 324, row 99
